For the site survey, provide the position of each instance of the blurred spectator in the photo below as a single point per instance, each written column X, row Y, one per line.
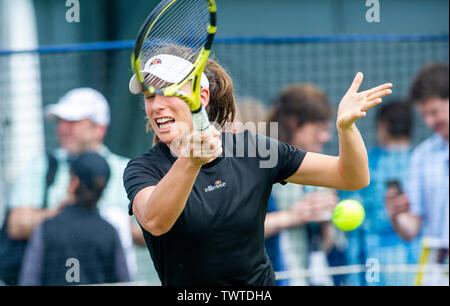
column 251, row 112
column 303, row 114
column 77, row 233
column 272, row 242
column 389, row 164
column 83, row 118
column 425, row 206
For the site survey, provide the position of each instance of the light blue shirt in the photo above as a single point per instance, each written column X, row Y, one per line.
column 376, row 238
column 428, row 188
column 28, row 189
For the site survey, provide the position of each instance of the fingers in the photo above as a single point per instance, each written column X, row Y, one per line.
column 374, row 90
column 370, row 104
column 215, row 132
column 205, row 145
column 379, row 94
column 356, row 83
column 396, row 203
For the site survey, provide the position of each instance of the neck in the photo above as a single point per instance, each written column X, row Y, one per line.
column 91, row 147
column 397, row 142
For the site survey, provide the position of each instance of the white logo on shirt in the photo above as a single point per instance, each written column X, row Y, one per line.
column 217, row 185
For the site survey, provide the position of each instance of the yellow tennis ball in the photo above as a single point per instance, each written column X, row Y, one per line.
column 348, row 215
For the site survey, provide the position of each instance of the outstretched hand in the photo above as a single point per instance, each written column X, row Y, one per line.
column 354, row 104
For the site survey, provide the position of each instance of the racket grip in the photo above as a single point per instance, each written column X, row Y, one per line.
column 201, row 121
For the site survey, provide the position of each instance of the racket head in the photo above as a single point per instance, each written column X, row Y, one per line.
column 172, row 48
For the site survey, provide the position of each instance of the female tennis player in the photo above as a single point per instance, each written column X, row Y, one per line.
column 202, row 212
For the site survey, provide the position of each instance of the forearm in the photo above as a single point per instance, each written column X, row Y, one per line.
column 136, row 234
column 169, row 197
column 353, row 165
column 275, row 222
column 23, row 220
column 278, row 221
column 406, row 225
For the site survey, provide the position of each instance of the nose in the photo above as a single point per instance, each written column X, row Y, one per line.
column 159, row 103
column 63, row 126
column 430, row 120
column 325, row 136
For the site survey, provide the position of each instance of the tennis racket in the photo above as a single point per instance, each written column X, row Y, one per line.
column 433, row 263
column 174, row 30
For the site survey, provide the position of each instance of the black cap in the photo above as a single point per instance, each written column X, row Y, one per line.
column 88, row 167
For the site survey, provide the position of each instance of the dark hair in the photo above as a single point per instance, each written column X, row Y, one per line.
column 221, row 107
column 430, row 82
column 398, row 118
column 93, row 172
column 88, row 196
column 297, row 105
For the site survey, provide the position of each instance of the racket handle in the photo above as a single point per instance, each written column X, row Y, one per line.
column 201, row 121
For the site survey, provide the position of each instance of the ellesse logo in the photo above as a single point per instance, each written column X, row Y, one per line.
column 217, row 185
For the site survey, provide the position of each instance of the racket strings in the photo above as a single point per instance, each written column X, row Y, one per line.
column 176, row 29
column 179, row 17
column 178, row 21
column 158, row 44
column 175, row 33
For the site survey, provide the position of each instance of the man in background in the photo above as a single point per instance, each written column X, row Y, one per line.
column 388, row 164
column 83, row 118
column 424, row 207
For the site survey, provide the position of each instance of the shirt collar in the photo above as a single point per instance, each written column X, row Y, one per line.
column 439, row 143
column 62, row 154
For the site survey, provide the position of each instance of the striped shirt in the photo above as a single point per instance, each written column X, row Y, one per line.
column 428, row 189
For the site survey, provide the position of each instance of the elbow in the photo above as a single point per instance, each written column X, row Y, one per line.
column 357, row 184
column 15, row 228
column 354, row 179
column 14, row 233
column 156, row 228
column 365, row 182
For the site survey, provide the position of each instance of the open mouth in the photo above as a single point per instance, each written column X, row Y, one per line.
column 165, row 122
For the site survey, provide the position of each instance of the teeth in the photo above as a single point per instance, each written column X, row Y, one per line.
column 164, row 126
column 163, row 120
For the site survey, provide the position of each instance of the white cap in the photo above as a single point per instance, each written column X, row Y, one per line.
column 169, row 68
column 79, row 104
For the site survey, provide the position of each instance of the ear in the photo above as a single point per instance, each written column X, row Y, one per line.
column 204, row 97
column 101, row 131
column 74, row 183
column 291, row 124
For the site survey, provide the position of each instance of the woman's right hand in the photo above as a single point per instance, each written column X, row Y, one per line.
column 201, row 147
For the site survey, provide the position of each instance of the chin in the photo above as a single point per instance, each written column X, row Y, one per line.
column 167, row 138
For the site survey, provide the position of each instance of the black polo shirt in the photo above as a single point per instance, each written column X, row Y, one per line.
column 219, row 237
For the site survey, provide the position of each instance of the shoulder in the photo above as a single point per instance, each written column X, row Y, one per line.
column 375, row 151
column 156, row 158
column 114, row 160
column 55, row 221
column 374, row 154
column 106, row 224
column 250, row 141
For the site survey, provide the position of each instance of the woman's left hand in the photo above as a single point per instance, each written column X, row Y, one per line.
column 354, row 104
